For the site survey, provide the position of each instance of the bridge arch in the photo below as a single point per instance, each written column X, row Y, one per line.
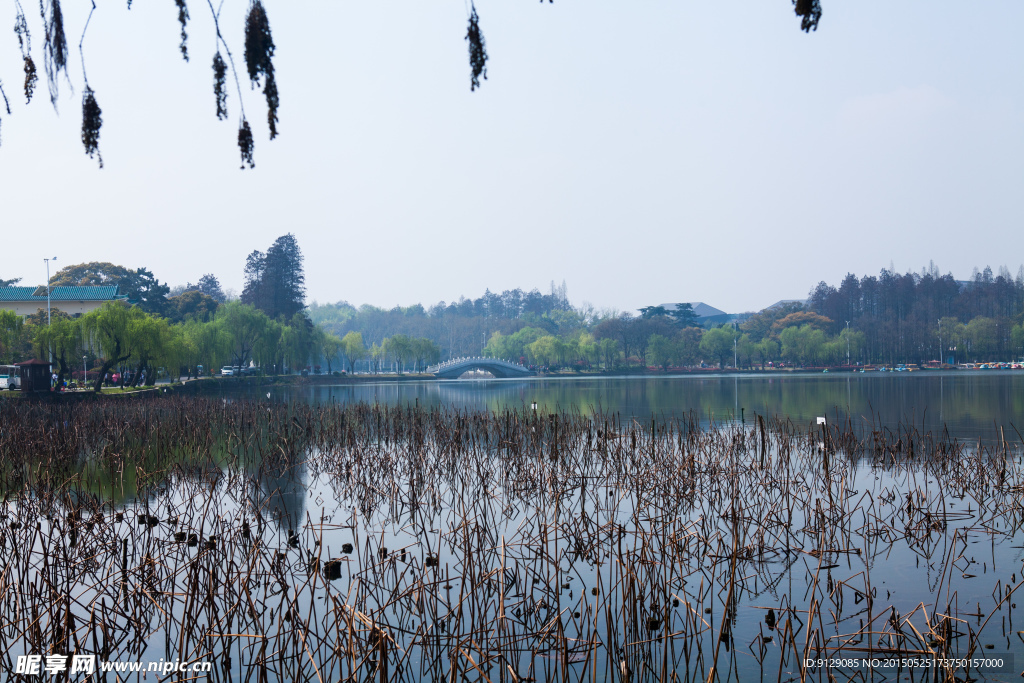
column 454, row 368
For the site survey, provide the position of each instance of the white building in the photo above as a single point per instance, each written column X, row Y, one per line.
column 73, row 300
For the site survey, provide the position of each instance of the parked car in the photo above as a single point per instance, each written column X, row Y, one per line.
column 236, row 371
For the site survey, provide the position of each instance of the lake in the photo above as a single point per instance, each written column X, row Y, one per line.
column 970, row 404
column 436, row 530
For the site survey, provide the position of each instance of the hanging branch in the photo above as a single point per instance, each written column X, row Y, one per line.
column 259, row 45
column 259, row 53
column 273, row 100
column 30, row 79
column 55, row 47
column 25, row 45
column 92, row 119
column 220, row 71
column 245, row 139
column 810, row 11
column 21, row 29
column 81, row 42
column 218, row 91
column 477, row 50
column 183, row 20
column 245, row 144
column 7, row 105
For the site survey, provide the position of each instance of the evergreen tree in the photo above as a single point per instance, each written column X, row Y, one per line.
column 684, row 315
column 253, row 293
column 274, row 281
column 210, row 286
column 285, row 276
column 140, row 285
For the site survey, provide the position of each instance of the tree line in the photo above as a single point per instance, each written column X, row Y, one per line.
column 195, row 325
column 889, row 318
column 920, row 316
column 125, row 339
column 459, row 328
column 560, row 336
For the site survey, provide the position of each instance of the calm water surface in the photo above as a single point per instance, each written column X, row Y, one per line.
column 919, row 538
column 971, row 405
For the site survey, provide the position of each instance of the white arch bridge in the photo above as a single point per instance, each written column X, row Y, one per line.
column 451, row 369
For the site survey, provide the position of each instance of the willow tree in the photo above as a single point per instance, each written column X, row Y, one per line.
column 206, row 343
column 153, row 346
column 1017, row 339
column 11, row 326
column 244, row 327
column 424, row 352
column 718, row 343
column 258, row 58
column 61, row 340
column 399, row 348
column 258, row 64
column 328, row 345
column 353, row 348
column 298, row 342
column 111, row 332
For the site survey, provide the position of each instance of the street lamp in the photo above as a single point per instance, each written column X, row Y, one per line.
column 48, row 288
column 85, row 379
column 50, row 350
column 736, row 328
column 847, row 342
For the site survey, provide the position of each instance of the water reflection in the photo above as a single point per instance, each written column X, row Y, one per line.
column 970, row 405
column 617, row 546
column 281, row 495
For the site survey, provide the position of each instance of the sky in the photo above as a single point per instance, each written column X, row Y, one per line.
column 644, row 152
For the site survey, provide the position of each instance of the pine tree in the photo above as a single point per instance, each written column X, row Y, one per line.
column 253, row 293
column 210, row 285
column 274, row 281
column 285, row 277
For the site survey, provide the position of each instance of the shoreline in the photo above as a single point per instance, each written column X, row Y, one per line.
column 202, row 385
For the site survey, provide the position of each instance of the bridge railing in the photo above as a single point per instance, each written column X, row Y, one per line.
column 474, row 360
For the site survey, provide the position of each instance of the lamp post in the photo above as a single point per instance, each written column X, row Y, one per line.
column 48, row 288
column 847, row 342
column 85, row 379
column 50, row 349
column 735, row 345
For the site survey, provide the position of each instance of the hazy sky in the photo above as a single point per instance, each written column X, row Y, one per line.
column 645, row 151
